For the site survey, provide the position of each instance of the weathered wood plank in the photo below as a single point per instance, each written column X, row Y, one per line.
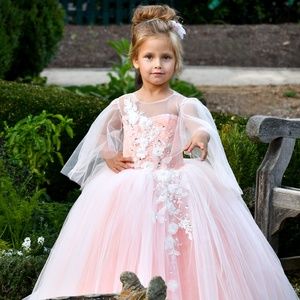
column 286, row 198
column 274, row 203
column 290, row 263
column 267, row 129
column 269, row 175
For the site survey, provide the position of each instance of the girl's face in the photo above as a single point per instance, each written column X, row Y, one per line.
column 156, row 61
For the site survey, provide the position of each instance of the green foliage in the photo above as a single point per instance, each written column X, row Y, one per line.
column 41, row 30
column 10, row 29
column 241, row 153
column 34, row 141
column 121, row 81
column 187, row 89
column 47, row 220
column 18, row 275
column 15, row 210
column 17, row 101
column 290, row 94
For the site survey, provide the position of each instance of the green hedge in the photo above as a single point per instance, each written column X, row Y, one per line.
column 18, row 275
column 10, row 30
column 29, row 36
column 17, row 101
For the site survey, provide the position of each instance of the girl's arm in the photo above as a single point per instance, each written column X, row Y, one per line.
column 198, row 133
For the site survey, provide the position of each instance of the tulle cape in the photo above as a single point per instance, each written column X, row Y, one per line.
column 105, row 137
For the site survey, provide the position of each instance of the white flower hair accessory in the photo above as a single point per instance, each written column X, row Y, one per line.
column 178, row 28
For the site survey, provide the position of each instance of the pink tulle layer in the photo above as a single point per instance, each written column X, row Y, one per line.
column 113, row 227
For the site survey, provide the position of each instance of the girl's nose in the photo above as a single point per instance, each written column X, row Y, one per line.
column 157, row 64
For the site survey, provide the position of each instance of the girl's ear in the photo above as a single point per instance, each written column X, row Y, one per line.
column 135, row 63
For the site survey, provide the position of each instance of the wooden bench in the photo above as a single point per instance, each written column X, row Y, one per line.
column 273, row 202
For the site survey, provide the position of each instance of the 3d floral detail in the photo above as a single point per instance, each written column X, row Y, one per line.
column 26, row 244
column 172, row 210
column 163, row 175
column 145, row 122
column 41, row 240
column 173, row 228
column 162, row 198
column 133, row 118
column 160, row 215
column 143, row 141
column 158, row 151
column 148, row 165
column 178, row 28
column 173, row 187
column 141, row 153
column 187, row 226
column 172, row 285
column 169, row 243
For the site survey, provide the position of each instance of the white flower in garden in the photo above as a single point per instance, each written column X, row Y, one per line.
column 41, row 240
column 20, row 253
column 26, row 244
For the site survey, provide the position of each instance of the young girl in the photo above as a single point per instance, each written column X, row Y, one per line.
column 144, row 208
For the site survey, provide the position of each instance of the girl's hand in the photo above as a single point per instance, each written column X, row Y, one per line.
column 199, row 139
column 119, row 163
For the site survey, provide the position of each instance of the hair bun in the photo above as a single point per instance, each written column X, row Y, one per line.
column 148, row 12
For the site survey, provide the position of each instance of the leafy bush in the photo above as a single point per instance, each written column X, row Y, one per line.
column 10, row 29
column 17, row 101
column 18, row 275
column 42, row 28
column 33, row 141
column 242, row 155
column 15, row 210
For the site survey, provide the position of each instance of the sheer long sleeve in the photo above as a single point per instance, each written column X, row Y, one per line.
column 103, row 140
column 194, row 116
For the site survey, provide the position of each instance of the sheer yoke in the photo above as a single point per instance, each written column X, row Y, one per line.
column 182, row 219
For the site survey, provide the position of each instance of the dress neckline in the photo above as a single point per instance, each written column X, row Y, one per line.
column 153, row 102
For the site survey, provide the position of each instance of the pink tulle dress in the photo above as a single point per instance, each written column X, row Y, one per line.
column 182, row 219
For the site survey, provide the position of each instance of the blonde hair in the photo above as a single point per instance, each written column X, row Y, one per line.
column 151, row 20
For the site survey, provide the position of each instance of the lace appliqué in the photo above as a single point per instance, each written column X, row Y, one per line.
column 149, row 148
column 171, row 209
column 150, row 144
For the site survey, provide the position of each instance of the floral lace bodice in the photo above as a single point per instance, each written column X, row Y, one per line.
column 149, row 140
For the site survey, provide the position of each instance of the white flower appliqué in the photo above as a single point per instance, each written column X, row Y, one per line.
column 149, row 149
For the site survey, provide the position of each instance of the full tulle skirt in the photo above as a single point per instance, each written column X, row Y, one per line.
column 205, row 244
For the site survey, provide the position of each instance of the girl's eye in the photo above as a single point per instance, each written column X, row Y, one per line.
column 148, row 56
column 167, row 57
